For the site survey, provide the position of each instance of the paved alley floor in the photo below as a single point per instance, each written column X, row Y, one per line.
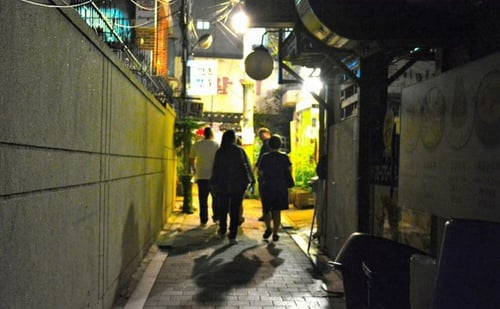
column 200, row 270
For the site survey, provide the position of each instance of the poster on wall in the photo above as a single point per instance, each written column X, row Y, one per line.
column 203, row 77
column 450, row 143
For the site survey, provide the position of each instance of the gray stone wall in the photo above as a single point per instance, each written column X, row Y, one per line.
column 86, row 163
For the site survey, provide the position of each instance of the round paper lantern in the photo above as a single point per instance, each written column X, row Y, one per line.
column 259, row 63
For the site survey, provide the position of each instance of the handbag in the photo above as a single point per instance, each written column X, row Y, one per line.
column 251, row 179
column 290, row 183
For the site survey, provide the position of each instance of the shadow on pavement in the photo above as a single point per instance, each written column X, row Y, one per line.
column 197, row 238
column 216, row 277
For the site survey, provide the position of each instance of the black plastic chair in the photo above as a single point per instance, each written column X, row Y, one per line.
column 468, row 273
column 386, row 266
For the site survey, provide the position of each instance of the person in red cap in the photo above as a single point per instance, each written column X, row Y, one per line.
column 202, row 160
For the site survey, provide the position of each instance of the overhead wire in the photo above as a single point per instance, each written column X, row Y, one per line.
column 143, row 7
column 223, row 13
column 218, row 17
column 223, row 27
column 55, row 6
column 163, row 2
column 216, row 12
column 110, row 25
column 134, row 26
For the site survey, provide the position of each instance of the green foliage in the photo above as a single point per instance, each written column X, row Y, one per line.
column 184, row 137
column 278, row 124
column 304, row 165
column 257, row 145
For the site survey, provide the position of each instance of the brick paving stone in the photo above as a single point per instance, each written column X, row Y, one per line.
column 205, row 272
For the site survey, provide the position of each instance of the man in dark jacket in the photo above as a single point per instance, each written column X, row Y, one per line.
column 231, row 176
column 264, row 135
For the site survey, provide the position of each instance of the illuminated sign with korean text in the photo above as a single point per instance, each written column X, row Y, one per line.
column 203, row 77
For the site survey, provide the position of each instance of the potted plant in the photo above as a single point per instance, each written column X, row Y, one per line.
column 184, row 136
column 304, row 169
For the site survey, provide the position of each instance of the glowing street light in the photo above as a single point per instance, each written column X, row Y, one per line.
column 239, row 22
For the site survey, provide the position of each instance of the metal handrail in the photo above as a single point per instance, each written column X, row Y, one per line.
column 163, row 93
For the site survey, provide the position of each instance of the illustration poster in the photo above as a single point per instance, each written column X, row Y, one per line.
column 450, row 136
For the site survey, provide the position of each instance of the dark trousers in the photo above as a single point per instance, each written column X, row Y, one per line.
column 260, row 193
column 203, row 192
column 229, row 203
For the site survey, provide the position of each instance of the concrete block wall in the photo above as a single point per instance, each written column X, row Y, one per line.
column 86, row 163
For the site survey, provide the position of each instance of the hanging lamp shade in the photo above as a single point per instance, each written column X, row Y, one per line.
column 259, row 63
column 205, row 41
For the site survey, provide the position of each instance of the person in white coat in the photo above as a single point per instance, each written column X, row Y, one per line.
column 202, row 160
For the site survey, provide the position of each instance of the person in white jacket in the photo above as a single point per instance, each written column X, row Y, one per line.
column 202, row 159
